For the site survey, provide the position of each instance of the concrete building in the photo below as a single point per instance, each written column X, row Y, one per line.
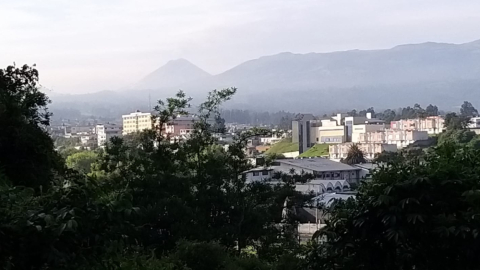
column 401, row 138
column 136, row 122
column 301, row 127
column 363, row 126
column 89, row 140
column 339, row 151
column 474, row 123
column 329, row 131
column 431, row 124
column 180, row 126
column 107, row 131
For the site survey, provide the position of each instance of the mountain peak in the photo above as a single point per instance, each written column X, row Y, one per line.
column 172, row 74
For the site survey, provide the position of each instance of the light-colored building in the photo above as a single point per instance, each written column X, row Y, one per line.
column 329, row 131
column 180, row 126
column 106, row 131
column 89, row 141
column 137, row 122
column 370, row 125
column 340, row 151
column 474, row 122
column 431, row 124
column 322, row 186
column 301, row 128
column 258, row 174
column 401, row 138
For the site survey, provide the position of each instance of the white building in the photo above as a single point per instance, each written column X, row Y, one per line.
column 106, row 131
column 431, row 124
column 401, row 138
column 340, row 151
column 474, row 122
column 323, row 186
column 258, row 174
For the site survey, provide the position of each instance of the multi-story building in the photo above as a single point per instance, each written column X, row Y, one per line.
column 89, row 140
column 136, row 122
column 180, row 126
column 329, row 131
column 301, row 128
column 340, row 151
column 431, row 124
column 401, row 138
column 106, row 131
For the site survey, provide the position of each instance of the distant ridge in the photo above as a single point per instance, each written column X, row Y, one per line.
column 440, row 73
column 173, row 73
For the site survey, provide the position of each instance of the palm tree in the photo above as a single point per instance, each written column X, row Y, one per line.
column 354, row 155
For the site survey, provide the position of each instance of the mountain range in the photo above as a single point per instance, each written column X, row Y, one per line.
column 438, row 73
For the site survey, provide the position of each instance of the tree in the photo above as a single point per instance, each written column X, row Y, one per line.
column 467, row 110
column 81, row 161
column 431, row 110
column 455, row 122
column 354, row 155
column 412, row 215
column 27, row 155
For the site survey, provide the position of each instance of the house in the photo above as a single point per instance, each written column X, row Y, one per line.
column 431, row 124
column 401, row 138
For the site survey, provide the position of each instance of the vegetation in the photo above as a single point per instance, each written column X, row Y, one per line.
column 283, row 146
column 354, row 155
column 317, row 150
column 82, row 161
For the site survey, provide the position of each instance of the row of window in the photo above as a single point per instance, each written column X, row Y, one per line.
column 258, row 173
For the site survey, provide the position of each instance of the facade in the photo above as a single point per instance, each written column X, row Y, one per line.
column 89, row 141
column 105, row 132
column 258, row 174
column 181, row 126
column 431, row 124
column 340, row 151
column 136, row 122
column 367, row 126
column 474, row 123
column 328, row 132
column 323, row 186
column 301, row 127
column 401, row 138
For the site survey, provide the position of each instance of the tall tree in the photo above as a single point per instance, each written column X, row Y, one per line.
column 413, row 214
column 467, row 110
column 27, row 155
column 354, row 155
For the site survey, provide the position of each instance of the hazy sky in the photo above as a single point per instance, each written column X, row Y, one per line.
column 91, row 45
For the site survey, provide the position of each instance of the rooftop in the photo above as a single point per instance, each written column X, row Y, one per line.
column 317, row 164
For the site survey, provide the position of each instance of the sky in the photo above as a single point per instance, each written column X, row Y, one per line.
column 92, row 45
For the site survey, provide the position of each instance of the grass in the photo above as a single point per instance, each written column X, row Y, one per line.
column 317, row 150
column 283, row 146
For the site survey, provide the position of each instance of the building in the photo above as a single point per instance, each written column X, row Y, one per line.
column 105, row 132
column 329, row 131
column 474, row 123
column 89, row 141
column 181, row 126
column 258, row 174
column 136, row 122
column 431, row 124
column 340, row 151
column 363, row 126
column 323, row 186
column 301, row 128
column 401, row 138
column 321, row 168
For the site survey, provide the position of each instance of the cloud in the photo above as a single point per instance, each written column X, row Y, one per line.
column 85, row 46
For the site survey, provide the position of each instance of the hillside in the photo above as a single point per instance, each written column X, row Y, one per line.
column 317, row 150
column 283, row 146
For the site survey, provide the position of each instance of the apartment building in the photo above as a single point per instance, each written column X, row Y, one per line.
column 369, row 149
column 400, row 138
column 180, row 126
column 136, row 122
column 431, row 124
column 105, row 132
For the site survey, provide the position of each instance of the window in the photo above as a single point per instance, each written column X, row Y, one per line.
column 265, row 173
column 256, row 173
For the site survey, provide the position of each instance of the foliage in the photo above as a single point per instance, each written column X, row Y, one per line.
column 82, row 161
column 317, row 150
column 354, row 155
column 467, row 110
column 411, row 215
column 454, row 121
column 283, row 146
column 27, row 155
